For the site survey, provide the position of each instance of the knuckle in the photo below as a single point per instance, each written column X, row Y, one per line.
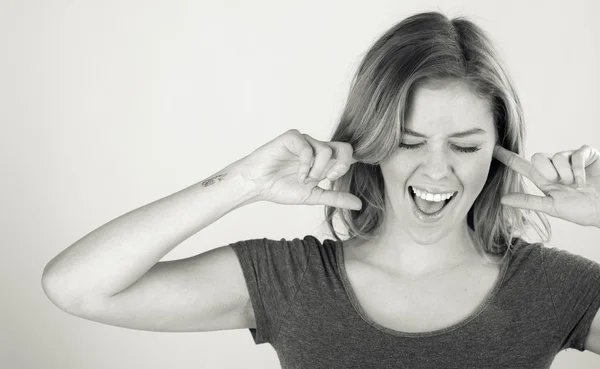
column 324, row 149
column 307, row 136
column 342, row 148
column 306, row 150
column 538, row 156
column 345, row 154
column 347, row 148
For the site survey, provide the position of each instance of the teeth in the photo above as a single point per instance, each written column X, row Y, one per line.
column 432, row 197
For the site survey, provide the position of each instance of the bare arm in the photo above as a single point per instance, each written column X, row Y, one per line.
column 113, row 257
column 113, row 274
column 592, row 341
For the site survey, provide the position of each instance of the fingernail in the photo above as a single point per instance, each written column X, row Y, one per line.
column 302, row 178
column 332, row 176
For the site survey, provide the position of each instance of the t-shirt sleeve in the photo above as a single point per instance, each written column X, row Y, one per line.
column 273, row 271
column 574, row 284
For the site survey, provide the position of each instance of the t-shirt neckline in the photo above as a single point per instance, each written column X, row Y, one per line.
column 362, row 314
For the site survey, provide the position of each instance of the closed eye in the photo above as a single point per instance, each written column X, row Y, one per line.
column 455, row 147
column 466, row 149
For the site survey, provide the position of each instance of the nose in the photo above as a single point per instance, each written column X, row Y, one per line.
column 436, row 165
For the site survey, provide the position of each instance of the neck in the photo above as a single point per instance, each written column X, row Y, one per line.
column 395, row 249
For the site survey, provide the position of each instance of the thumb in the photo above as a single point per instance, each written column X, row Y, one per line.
column 520, row 200
column 338, row 199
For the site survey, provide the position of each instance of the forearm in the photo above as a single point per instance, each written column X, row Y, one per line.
column 118, row 253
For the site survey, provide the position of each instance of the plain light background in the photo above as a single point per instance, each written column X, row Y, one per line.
column 109, row 105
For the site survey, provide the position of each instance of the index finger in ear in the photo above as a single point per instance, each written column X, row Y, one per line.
column 343, row 153
column 519, row 165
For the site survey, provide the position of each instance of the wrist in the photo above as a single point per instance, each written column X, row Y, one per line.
column 245, row 189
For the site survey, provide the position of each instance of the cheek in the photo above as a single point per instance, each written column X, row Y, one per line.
column 405, row 167
column 475, row 172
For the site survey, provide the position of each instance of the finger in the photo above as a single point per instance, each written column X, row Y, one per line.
column 520, row 165
column 336, row 199
column 580, row 159
column 520, row 200
column 541, row 162
column 323, row 155
column 561, row 161
column 305, row 157
column 342, row 152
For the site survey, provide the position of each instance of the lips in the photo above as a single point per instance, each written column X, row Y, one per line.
column 429, row 216
column 412, row 193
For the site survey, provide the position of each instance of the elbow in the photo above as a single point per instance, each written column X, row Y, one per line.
column 51, row 291
column 55, row 291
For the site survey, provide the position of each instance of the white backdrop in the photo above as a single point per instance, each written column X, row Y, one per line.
column 106, row 106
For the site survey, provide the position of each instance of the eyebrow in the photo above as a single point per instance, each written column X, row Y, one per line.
column 468, row 132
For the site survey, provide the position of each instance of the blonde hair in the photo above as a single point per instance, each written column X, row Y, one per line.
column 423, row 49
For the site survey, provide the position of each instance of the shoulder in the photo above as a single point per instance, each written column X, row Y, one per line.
column 327, row 250
column 299, row 249
column 549, row 258
column 522, row 249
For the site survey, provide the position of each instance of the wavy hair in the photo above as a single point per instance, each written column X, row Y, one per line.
column 428, row 48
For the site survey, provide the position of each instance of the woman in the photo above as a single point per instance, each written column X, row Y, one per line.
column 427, row 179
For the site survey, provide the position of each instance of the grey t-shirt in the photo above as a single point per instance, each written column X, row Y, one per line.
column 543, row 302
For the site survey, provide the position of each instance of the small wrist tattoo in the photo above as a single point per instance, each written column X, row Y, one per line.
column 212, row 180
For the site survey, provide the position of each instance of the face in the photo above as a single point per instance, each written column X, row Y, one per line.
column 446, row 148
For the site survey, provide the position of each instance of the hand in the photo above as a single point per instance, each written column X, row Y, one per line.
column 569, row 179
column 274, row 170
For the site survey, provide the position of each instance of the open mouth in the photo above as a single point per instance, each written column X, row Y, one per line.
column 429, row 208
